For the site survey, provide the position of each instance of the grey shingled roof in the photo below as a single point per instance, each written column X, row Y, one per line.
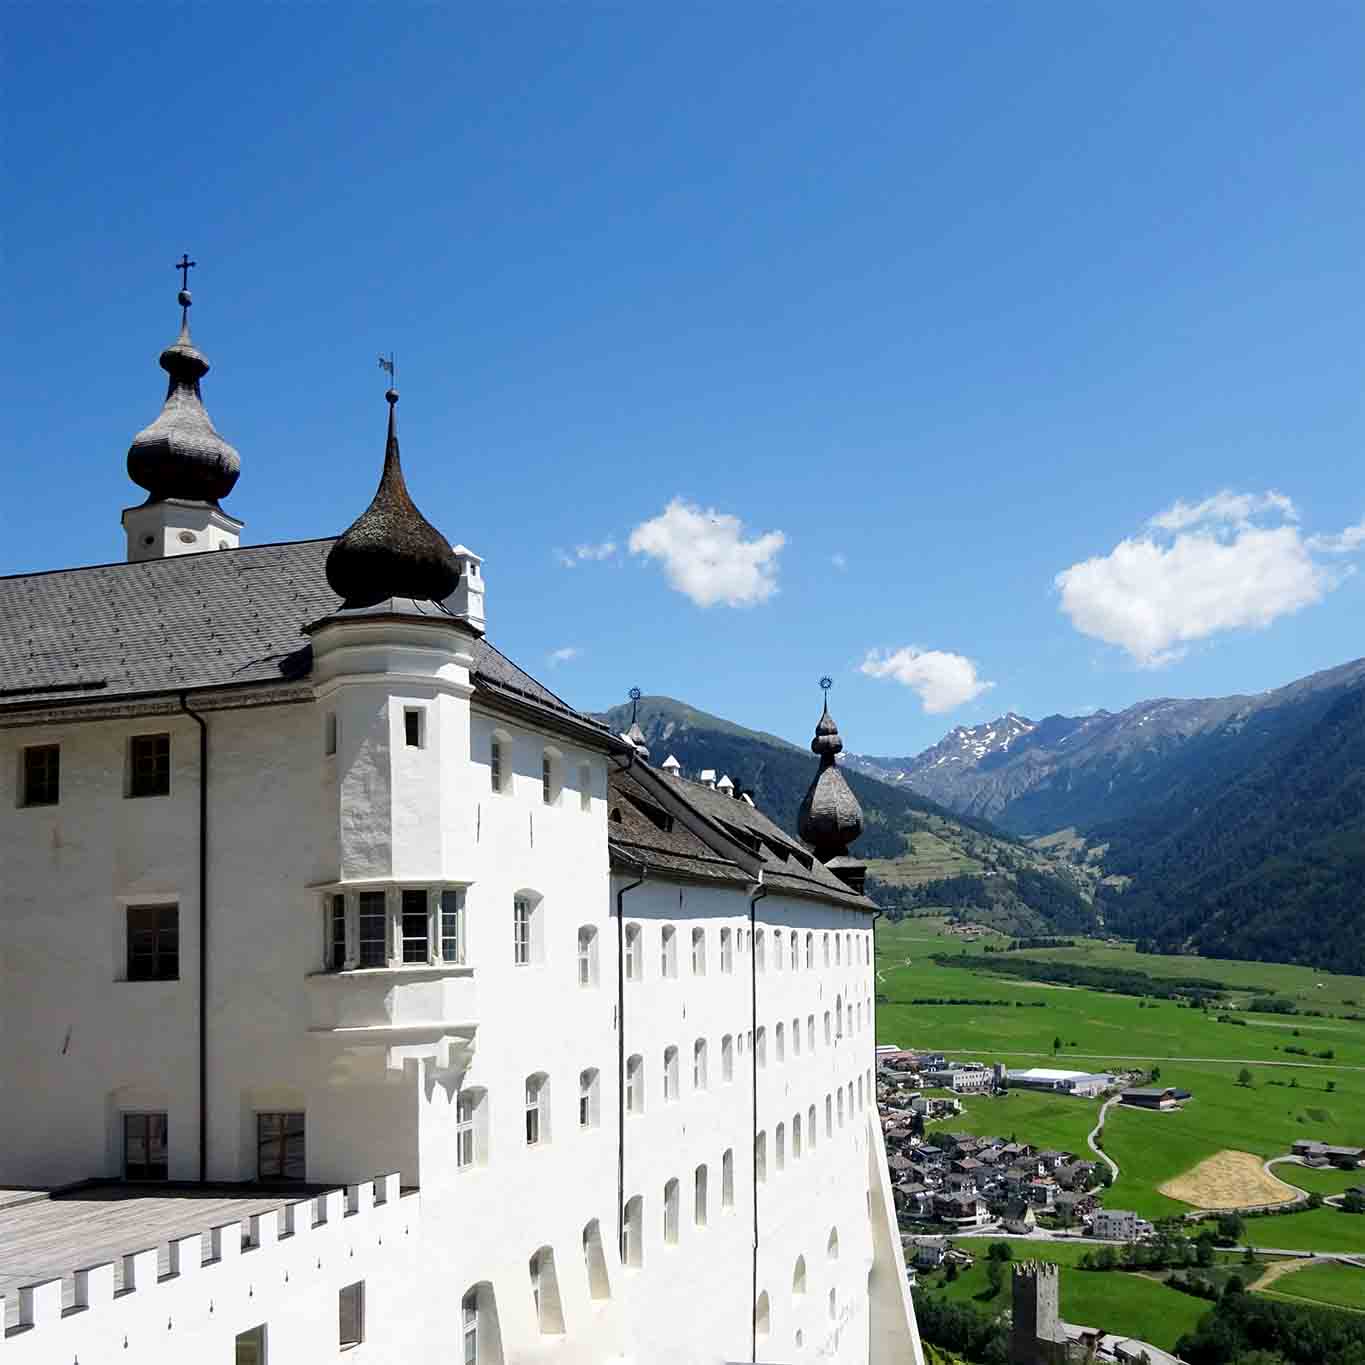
column 220, row 619
column 636, row 839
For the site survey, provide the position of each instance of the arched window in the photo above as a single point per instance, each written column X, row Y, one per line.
column 545, row 1291
column 537, row 1109
column 833, row 1305
column 810, row 1033
column 777, row 950
column 860, row 1092
column 671, row 1213
column 727, row 1179
column 633, row 1232
column 587, row 956
column 832, row 1246
column 794, row 951
column 551, row 776
column 838, row 951
column 781, row 1041
column 761, row 1158
column 670, row 1074
column 810, row 951
column 727, row 956
column 810, row 1127
column 471, row 1128
column 826, row 942
column 480, row 1339
column 599, row 1286
column 796, row 1037
column 668, row 952
column 699, row 1065
column 761, row 1048
column 698, row 952
column 528, row 929
column 829, row 1116
column 759, row 955
column 780, row 1147
column 826, row 1028
column 727, row 1059
column 858, row 1014
column 838, row 1016
column 796, row 1137
column 589, row 1098
column 499, row 769
column 635, row 1084
column 699, row 1194
column 584, row 787
column 841, row 1107
column 635, row 962
column 799, row 1276
column 762, row 1317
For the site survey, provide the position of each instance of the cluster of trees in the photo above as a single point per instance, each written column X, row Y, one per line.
column 1122, row 980
column 1248, row 1329
column 957, row 1327
column 1050, row 897
column 1022, row 944
column 963, row 1000
column 1169, row 1249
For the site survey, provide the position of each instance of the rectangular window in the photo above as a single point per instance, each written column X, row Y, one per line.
column 633, row 958
column 351, row 1310
column 547, row 780
column 727, row 961
column 149, row 765
column 329, row 735
column 452, row 927
column 495, row 764
column 412, row 726
column 465, row 1111
column 635, row 1085
column 144, row 1147
column 249, row 1347
column 727, row 1179
column 371, row 929
column 279, row 1147
column 153, row 943
column 336, row 933
column 533, row 1095
column 416, row 926
column 521, row 931
column 42, row 773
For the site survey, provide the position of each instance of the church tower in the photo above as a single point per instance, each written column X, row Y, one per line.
column 182, row 462
column 830, row 818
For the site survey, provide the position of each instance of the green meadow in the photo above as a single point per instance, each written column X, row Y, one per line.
column 1340, row 1286
column 1323, row 1181
column 1288, row 1096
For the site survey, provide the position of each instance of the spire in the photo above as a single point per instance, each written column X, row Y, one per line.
column 391, row 549
column 636, row 736
column 830, row 818
column 181, row 455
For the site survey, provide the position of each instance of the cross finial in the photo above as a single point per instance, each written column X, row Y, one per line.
column 826, row 683
column 634, row 694
column 184, row 265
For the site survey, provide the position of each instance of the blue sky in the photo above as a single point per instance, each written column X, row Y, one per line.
column 929, row 347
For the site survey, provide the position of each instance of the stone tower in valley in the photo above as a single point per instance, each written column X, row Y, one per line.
column 1037, row 1337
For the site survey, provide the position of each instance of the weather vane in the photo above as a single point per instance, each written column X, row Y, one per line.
column 390, row 366
column 634, row 694
column 826, row 683
column 184, row 265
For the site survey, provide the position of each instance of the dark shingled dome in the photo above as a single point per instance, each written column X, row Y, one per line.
column 391, row 549
column 830, row 818
column 181, row 455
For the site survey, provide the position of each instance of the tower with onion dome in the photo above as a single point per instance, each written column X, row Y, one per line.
column 180, row 460
column 830, row 818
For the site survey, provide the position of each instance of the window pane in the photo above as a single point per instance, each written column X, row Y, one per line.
column 41, row 771
column 153, row 942
column 336, row 954
column 351, row 1306
column 370, row 937
column 144, row 1147
column 412, row 729
column 149, row 765
column 452, row 935
column 415, row 922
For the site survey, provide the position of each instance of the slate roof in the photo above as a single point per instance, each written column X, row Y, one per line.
column 637, row 839
column 220, row 619
column 784, row 860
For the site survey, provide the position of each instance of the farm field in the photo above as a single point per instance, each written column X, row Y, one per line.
column 1323, row 1181
column 1288, row 1096
column 1115, row 1300
column 1340, row 1286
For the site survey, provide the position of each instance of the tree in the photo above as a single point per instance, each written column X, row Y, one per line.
column 1352, row 1202
column 1314, row 1200
column 950, row 1272
column 1056, row 1045
column 1230, row 1227
column 1244, row 1077
column 1156, row 1074
column 999, row 1251
column 1249, row 1255
column 995, row 1276
column 1331, row 1086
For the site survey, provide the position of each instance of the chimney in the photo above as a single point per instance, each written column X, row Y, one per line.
column 466, row 602
column 726, row 786
column 708, row 778
column 671, row 766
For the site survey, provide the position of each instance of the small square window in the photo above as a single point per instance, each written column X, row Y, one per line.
column 42, row 773
column 149, row 765
column 279, row 1147
column 153, row 943
column 351, row 1310
column 413, row 726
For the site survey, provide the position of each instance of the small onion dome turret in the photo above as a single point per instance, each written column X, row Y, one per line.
column 181, row 455
column 830, row 818
column 391, row 549
column 635, row 737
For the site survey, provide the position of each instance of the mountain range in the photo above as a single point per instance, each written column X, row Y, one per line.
column 1234, row 826
column 918, row 852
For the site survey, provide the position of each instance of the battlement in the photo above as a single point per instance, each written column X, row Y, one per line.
column 176, row 1285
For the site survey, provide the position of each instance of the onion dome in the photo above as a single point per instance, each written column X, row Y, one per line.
column 181, row 455
column 830, row 818
column 635, row 737
column 391, row 549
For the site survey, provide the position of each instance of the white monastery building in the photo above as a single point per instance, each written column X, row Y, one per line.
column 358, row 995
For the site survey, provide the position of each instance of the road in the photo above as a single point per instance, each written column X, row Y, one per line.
column 995, row 1233
column 1148, row 1057
column 1099, row 1124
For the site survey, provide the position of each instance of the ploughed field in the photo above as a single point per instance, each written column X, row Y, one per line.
column 1287, row 1096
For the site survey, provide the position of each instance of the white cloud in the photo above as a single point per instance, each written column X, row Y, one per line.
column 941, row 679
column 1234, row 561
column 839, row 560
column 565, row 656
column 587, row 553
column 706, row 557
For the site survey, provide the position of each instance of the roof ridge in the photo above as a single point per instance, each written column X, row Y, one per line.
column 168, row 559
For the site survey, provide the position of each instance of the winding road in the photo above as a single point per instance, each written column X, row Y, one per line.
column 1094, row 1132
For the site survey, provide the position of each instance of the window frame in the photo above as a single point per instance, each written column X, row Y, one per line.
column 589, row 1098
column 635, row 1084
column 40, row 775
column 165, row 961
column 587, row 956
column 537, row 1109
column 281, row 1140
column 634, row 952
column 699, row 952
column 148, row 775
column 149, row 1120
column 727, row 959
column 357, row 1292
